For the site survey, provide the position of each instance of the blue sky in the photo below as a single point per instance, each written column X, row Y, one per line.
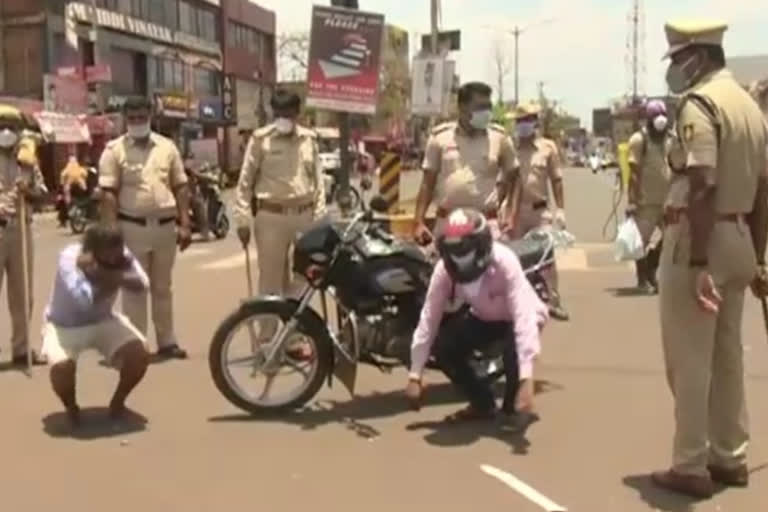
column 580, row 55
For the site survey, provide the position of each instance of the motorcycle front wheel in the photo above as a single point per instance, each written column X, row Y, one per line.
column 221, row 228
column 305, row 336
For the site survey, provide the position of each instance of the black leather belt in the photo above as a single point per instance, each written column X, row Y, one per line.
column 143, row 221
column 539, row 205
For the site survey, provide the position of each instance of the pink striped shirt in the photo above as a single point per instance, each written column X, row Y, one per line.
column 505, row 295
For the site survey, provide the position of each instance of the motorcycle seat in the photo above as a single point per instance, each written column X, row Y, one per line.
column 530, row 252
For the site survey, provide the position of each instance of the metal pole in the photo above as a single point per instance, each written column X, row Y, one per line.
column 517, row 65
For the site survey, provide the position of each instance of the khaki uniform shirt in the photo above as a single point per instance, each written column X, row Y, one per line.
column 539, row 165
column 650, row 157
column 281, row 169
column 469, row 167
column 145, row 176
column 10, row 172
column 739, row 157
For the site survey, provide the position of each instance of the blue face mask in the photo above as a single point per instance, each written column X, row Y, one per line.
column 526, row 129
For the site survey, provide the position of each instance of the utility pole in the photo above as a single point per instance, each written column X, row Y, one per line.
column 434, row 21
column 516, row 32
column 344, row 197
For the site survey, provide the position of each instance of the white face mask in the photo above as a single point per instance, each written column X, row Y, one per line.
column 525, row 129
column 139, row 131
column 480, row 119
column 660, row 123
column 8, row 138
column 284, row 125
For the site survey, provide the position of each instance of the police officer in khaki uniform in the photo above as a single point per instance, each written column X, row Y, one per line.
column 714, row 247
column 19, row 174
column 648, row 187
column 145, row 189
column 469, row 163
column 530, row 206
column 280, row 191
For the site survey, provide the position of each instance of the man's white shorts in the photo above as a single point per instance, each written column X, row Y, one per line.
column 107, row 337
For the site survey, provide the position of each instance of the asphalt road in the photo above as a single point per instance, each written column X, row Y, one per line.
column 606, row 415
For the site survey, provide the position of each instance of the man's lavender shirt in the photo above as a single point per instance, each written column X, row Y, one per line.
column 72, row 299
column 504, row 295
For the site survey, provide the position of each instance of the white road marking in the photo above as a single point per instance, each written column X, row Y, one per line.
column 234, row 261
column 521, row 487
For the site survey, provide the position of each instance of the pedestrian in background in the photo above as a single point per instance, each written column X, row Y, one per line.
column 144, row 188
column 649, row 177
column 19, row 176
column 468, row 163
column 530, row 207
column 280, row 192
column 714, row 247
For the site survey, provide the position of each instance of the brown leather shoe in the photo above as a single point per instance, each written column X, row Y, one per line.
column 690, row 485
column 735, row 477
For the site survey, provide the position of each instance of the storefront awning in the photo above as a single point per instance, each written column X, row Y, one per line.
column 63, row 128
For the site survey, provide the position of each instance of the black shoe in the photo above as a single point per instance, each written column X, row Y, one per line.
column 21, row 359
column 171, row 352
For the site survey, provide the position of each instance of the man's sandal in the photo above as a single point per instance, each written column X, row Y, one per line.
column 469, row 414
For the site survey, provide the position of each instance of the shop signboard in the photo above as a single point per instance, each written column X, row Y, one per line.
column 65, row 94
column 172, row 105
column 211, row 109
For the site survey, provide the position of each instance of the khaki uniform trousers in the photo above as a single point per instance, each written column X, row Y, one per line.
column 154, row 245
column 529, row 218
column 703, row 352
column 274, row 234
column 12, row 266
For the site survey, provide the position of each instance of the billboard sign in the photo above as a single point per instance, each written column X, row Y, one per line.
column 344, row 55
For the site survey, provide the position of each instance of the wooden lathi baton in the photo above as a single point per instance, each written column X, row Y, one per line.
column 764, row 304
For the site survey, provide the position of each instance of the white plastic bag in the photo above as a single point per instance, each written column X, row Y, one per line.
column 629, row 244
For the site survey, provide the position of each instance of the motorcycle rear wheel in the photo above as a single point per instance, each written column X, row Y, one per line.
column 322, row 345
column 221, row 229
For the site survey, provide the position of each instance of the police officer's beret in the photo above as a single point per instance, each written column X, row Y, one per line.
column 684, row 33
column 526, row 110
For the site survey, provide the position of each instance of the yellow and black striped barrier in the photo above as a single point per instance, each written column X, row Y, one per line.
column 389, row 181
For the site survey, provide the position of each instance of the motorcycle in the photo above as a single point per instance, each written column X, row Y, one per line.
column 83, row 210
column 333, row 188
column 208, row 186
column 378, row 285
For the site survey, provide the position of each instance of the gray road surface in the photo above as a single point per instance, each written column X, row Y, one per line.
column 606, row 417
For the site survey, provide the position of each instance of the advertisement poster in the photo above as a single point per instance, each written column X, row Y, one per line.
column 429, row 84
column 344, row 56
column 65, row 94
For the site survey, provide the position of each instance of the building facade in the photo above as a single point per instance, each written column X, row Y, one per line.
column 250, row 63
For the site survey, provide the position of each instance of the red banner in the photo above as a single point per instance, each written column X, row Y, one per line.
column 344, row 52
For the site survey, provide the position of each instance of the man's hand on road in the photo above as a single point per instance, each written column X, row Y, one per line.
column 421, row 234
column 183, row 237
column 244, row 234
column 759, row 284
column 705, row 292
column 413, row 392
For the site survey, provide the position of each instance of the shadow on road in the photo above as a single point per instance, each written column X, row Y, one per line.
column 95, row 424
column 627, row 291
column 354, row 414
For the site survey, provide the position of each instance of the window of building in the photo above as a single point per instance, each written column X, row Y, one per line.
column 111, row 5
column 165, row 73
column 198, row 21
column 206, row 81
column 123, row 71
column 187, row 22
column 140, row 9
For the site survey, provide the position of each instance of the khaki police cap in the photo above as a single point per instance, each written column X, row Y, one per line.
column 526, row 110
column 9, row 113
column 682, row 34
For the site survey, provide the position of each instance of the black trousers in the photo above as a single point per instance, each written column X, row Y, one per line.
column 460, row 335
